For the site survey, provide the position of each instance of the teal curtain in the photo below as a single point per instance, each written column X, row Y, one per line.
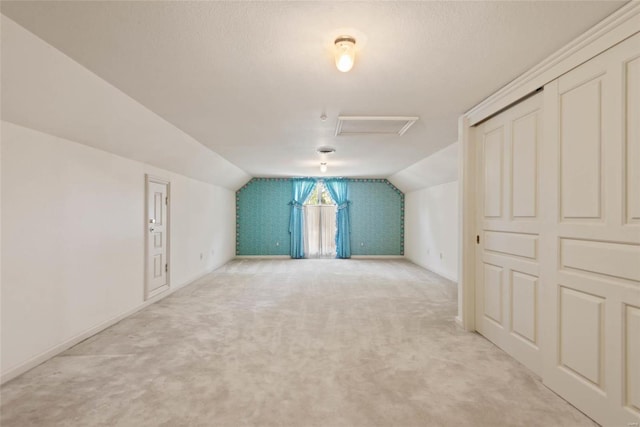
column 302, row 188
column 339, row 191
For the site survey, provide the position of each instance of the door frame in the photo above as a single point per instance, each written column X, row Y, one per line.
column 617, row 27
column 154, row 179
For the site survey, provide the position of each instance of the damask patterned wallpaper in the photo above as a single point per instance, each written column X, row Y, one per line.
column 262, row 217
column 377, row 218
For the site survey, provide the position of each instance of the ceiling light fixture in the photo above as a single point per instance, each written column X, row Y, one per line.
column 326, row 150
column 345, row 53
column 323, row 167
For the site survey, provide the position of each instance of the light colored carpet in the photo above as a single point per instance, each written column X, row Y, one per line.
column 290, row 343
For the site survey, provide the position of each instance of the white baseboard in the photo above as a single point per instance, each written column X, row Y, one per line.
column 377, row 256
column 59, row 348
column 195, row 277
column 436, row 270
column 262, row 256
column 287, row 256
column 443, row 274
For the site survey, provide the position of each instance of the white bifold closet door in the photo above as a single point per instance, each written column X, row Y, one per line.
column 320, row 231
column 558, row 217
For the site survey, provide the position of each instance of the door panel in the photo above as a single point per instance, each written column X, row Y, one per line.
column 581, row 340
column 524, row 193
column 493, row 148
column 581, row 161
column 524, row 296
column 507, row 296
column 632, row 355
column 517, row 244
column 493, row 293
column 632, row 114
column 156, row 230
column 610, row 259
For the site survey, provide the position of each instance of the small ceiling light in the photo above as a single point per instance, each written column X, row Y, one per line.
column 345, row 53
column 323, row 167
column 326, row 150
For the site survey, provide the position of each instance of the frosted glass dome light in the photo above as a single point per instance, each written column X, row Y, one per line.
column 345, row 53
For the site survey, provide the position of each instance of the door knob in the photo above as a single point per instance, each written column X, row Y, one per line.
column 152, row 221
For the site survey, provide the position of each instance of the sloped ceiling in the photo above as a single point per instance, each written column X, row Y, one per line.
column 43, row 89
column 438, row 168
column 250, row 80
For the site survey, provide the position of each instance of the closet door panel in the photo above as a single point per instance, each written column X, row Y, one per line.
column 632, row 140
column 507, row 294
column 590, row 243
column 524, row 191
column 581, row 152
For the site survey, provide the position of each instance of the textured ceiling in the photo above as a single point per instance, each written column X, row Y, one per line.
column 250, row 80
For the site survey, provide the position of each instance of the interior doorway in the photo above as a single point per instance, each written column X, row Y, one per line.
column 157, row 232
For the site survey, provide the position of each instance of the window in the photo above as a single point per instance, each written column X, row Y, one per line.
column 320, row 196
column 320, row 224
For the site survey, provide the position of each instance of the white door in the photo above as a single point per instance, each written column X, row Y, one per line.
column 590, row 255
column 157, row 231
column 507, row 268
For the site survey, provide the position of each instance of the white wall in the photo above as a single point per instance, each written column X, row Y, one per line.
column 73, row 232
column 431, row 212
column 74, row 154
column 431, row 228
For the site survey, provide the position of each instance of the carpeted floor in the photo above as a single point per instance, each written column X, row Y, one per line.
column 290, row 343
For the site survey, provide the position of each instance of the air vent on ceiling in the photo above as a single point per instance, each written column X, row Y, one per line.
column 374, row 125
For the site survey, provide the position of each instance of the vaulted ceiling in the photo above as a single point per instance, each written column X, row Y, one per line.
column 250, row 80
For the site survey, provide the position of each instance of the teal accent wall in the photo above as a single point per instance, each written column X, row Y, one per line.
column 262, row 217
column 377, row 217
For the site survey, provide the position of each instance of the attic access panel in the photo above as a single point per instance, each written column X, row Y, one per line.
column 374, row 125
